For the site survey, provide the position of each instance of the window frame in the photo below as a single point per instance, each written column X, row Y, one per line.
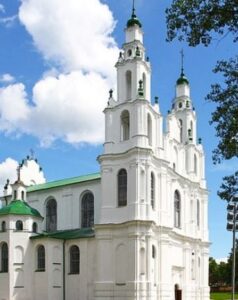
column 177, row 209
column 4, row 258
column 3, row 226
column 51, row 215
column 122, row 184
column 40, row 262
column 74, row 260
column 152, row 190
column 19, row 225
column 125, row 125
column 87, row 210
column 34, row 227
column 198, row 213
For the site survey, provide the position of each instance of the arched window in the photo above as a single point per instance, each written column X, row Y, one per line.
column 149, row 129
column 122, row 187
column 41, row 258
column 34, row 227
column 144, row 84
column 3, row 226
column 51, row 215
column 128, row 85
column 125, row 125
column 181, row 130
column 142, row 261
column 74, row 260
column 15, row 195
column 22, row 195
column 195, row 164
column 177, row 209
column 175, row 159
column 19, row 225
column 4, row 258
column 152, row 189
column 191, row 127
column 198, row 213
column 87, row 210
column 153, row 252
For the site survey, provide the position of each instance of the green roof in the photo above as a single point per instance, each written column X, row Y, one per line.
column 133, row 20
column 19, row 207
column 67, row 234
column 182, row 79
column 63, row 182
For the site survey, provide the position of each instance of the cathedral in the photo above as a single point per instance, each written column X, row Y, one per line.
column 138, row 229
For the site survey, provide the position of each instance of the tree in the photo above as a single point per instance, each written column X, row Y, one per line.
column 213, row 272
column 199, row 22
column 229, row 187
column 226, row 114
column 219, row 274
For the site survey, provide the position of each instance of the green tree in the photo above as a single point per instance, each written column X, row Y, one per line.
column 199, row 22
column 219, row 274
column 224, row 274
column 229, row 187
column 196, row 21
column 213, row 272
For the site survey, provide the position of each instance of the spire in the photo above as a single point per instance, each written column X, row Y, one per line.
column 133, row 20
column 133, row 9
column 182, row 62
column 182, row 79
column 18, row 174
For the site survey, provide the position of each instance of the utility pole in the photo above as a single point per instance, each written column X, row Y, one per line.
column 232, row 225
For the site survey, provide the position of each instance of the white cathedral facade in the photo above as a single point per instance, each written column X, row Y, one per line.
column 137, row 230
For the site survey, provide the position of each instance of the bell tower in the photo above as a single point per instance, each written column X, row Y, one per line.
column 183, row 109
column 133, row 66
column 133, row 133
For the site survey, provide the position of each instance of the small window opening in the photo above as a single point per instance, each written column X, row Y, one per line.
column 19, row 225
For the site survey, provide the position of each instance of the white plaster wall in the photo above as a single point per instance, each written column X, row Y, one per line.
column 68, row 203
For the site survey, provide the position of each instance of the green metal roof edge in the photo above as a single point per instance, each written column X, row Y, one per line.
column 67, row 234
column 63, row 182
column 24, row 210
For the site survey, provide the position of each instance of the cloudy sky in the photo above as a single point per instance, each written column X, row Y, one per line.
column 57, row 62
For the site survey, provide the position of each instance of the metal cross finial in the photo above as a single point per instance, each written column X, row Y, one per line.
column 111, row 94
column 32, row 153
column 19, row 173
column 133, row 8
column 182, row 62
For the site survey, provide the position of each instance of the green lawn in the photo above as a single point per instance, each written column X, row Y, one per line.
column 222, row 296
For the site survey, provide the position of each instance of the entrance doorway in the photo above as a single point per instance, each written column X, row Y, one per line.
column 177, row 292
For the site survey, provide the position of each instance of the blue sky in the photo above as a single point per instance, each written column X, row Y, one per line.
column 56, row 67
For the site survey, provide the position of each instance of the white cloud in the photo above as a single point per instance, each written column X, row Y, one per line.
column 2, row 8
column 68, row 107
column 7, row 171
column 76, row 34
column 219, row 260
column 7, row 78
column 8, row 21
column 14, row 109
column 68, row 101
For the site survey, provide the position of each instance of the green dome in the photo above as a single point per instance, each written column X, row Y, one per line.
column 133, row 21
column 182, row 79
column 19, row 207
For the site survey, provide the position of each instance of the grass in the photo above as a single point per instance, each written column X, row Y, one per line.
column 222, row 296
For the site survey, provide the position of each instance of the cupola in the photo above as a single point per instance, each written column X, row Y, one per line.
column 134, row 28
column 182, row 84
column 182, row 79
column 133, row 20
